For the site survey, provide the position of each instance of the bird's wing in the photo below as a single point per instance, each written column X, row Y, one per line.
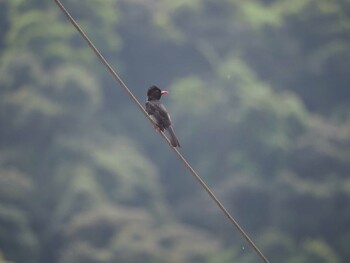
column 158, row 113
column 164, row 113
column 148, row 107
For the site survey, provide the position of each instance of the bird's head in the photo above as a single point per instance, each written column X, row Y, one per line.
column 154, row 93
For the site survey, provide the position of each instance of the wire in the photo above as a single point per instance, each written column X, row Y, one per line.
column 179, row 155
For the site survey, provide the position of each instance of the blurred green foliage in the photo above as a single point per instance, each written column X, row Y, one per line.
column 259, row 100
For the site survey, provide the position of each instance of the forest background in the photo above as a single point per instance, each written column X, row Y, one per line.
column 259, row 96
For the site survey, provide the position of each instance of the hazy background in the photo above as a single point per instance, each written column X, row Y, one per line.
column 259, row 96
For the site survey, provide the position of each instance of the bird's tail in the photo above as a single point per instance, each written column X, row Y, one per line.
column 173, row 139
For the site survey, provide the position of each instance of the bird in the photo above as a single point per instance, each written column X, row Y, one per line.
column 159, row 114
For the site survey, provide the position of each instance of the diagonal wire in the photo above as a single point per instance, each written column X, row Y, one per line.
column 179, row 155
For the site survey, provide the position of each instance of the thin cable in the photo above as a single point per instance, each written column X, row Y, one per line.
column 179, row 155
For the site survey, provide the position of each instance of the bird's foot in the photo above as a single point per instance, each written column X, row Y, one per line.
column 157, row 128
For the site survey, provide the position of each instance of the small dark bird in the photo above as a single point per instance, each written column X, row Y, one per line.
column 159, row 114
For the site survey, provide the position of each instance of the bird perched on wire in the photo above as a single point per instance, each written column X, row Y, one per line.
column 159, row 114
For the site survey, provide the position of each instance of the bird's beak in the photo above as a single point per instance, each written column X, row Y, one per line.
column 164, row 92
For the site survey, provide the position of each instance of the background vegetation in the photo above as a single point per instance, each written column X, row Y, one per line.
column 260, row 100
